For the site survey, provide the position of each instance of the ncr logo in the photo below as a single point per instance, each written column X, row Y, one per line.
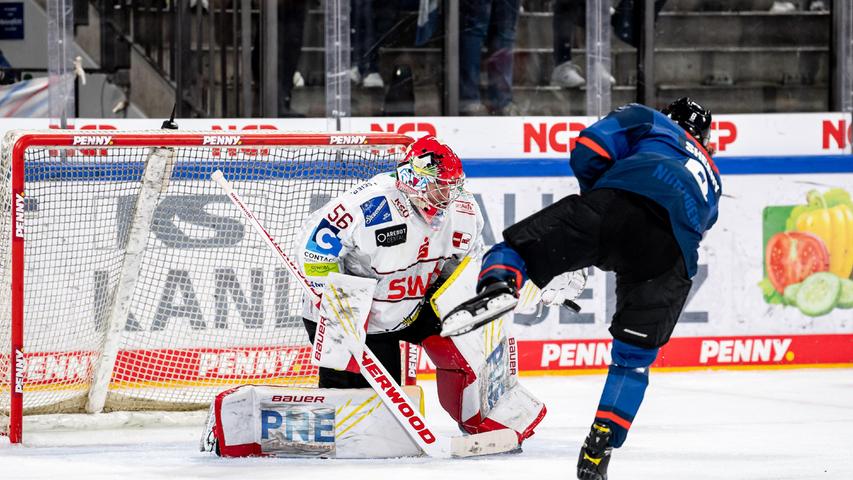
column 92, row 140
column 221, row 140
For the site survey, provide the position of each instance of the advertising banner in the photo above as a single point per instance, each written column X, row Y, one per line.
column 529, row 138
column 733, row 292
column 774, row 282
column 773, row 286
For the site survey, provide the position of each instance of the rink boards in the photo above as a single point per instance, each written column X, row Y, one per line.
column 769, row 164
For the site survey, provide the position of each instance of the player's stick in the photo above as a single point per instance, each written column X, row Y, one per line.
column 498, row 441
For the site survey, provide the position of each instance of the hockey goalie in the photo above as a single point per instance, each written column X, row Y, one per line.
column 388, row 259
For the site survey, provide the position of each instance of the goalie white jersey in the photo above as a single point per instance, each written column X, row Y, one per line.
column 373, row 231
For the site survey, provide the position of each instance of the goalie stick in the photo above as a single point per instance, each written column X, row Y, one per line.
column 487, row 443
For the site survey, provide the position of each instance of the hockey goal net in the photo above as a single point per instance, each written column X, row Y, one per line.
column 130, row 282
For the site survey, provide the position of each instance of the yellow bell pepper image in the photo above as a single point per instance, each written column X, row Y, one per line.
column 835, row 227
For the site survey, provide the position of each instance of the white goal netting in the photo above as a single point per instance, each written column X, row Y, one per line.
column 159, row 287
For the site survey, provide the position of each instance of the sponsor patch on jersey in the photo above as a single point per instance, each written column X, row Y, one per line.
column 390, row 236
column 401, row 208
column 324, row 240
column 423, row 250
column 464, row 207
column 320, row 269
column 376, row 211
column 461, row 239
column 316, row 257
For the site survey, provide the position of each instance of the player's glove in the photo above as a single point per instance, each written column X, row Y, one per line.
column 563, row 289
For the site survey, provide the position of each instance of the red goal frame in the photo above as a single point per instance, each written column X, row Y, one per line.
column 117, row 139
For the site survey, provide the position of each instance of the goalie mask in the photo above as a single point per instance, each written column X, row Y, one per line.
column 690, row 116
column 431, row 177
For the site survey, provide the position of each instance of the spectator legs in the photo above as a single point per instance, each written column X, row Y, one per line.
column 363, row 38
column 475, row 25
column 567, row 14
column 501, row 39
column 493, row 23
column 291, row 21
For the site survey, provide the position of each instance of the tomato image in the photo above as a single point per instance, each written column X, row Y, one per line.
column 790, row 257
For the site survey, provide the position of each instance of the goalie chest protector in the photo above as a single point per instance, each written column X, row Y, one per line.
column 385, row 239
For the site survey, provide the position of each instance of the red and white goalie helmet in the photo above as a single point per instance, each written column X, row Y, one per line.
column 431, row 176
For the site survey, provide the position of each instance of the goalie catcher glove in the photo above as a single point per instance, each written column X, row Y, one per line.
column 496, row 299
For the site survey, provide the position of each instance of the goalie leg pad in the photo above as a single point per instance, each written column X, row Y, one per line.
column 516, row 409
column 301, row 422
column 476, row 376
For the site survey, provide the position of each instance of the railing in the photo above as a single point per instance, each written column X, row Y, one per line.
column 224, row 57
column 205, row 50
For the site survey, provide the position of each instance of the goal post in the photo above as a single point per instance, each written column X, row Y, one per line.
column 129, row 281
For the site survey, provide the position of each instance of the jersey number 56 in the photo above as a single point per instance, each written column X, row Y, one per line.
column 339, row 216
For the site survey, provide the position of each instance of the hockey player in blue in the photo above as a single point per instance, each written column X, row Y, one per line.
column 648, row 193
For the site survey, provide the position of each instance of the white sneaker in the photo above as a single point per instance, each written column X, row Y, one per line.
column 204, row 4
column 373, row 80
column 511, row 110
column 782, row 7
column 607, row 77
column 354, row 76
column 567, row 75
column 472, row 109
column 818, row 6
column 298, row 80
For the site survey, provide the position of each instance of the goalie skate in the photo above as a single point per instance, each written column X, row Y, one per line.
column 495, row 300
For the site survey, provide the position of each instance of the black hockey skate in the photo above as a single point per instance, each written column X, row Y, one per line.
column 496, row 299
column 595, row 453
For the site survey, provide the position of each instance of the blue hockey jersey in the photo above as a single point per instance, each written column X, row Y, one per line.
column 638, row 149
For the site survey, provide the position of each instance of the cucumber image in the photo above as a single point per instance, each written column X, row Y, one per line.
column 845, row 299
column 790, row 294
column 818, row 294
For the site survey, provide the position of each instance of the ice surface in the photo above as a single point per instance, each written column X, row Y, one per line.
column 778, row 424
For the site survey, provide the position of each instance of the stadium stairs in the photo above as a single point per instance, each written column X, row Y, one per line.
column 736, row 55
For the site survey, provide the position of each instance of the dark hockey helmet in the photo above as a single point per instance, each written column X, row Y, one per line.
column 691, row 117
